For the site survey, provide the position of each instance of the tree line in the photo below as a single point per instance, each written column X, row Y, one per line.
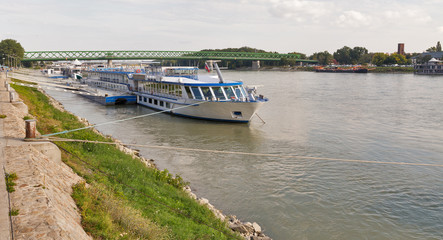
column 343, row 56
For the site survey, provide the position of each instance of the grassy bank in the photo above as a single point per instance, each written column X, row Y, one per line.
column 372, row 70
column 393, row 70
column 122, row 198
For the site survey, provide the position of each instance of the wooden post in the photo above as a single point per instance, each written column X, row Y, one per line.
column 30, row 128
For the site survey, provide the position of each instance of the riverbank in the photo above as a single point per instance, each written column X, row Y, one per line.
column 312, row 69
column 182, row 216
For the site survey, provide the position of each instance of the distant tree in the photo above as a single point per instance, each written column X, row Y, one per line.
column 410, row 55
column 233, row 64
column 284, row 62
column 437, row 48
column 431, row 49
column 365, row 58
column 401, row 59
column 323, row 58
column 302, row 55
column 426, row 58
column 343, row 55
column 396, row 58
column 379, row 58
column 27, row 64
column 242, row 49
column 356, row 53
column 10, row 47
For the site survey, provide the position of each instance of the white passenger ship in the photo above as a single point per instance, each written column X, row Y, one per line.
column 181, row 91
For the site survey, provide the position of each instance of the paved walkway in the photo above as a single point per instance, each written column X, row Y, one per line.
column 44, row 184
column 5, row 224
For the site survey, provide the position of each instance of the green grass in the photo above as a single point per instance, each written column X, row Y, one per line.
column 393, row 70
column 154, row 197
column 2, row 116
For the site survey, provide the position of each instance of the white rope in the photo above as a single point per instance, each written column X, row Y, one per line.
column 246, row 153
column 122, row 120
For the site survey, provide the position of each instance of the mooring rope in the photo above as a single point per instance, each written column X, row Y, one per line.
column 122, row 120
column 244, row 153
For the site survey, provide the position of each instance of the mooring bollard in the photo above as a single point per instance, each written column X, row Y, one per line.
column 30, row 128
column 11, row 96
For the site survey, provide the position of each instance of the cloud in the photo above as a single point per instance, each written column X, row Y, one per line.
column 353, row 19
column 299, row 10
column 411, row 15
column 389, row 14
column 417, row 16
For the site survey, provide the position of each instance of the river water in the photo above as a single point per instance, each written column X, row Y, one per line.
column 374, row 117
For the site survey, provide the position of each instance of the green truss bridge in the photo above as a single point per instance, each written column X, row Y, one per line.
column 157, row 55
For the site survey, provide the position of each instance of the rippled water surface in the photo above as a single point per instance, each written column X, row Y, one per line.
column 375, row 117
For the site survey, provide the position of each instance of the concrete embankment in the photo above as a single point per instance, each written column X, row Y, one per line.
column 42, row 196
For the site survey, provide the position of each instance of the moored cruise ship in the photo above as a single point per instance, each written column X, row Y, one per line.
column 181, row 91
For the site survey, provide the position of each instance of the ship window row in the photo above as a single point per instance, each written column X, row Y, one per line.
column 110, row 85
column 154, row 101
column 162, row 88
column 114, row 79
column 202, row 93
column 216, row 93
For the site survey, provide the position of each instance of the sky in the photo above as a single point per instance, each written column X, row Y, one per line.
column 172, row 25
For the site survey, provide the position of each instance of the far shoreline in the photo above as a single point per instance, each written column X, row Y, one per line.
column 403, row 70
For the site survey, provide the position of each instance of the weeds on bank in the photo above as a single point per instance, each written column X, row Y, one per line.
column 2, row 116
column 14, row 212
column 10, row 178
column 109, row 217
column 123, row 192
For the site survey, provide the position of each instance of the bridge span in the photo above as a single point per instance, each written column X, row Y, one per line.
column 157, row 55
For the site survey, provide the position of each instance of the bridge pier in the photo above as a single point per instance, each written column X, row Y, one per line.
column 255, row 65
column 110, row 63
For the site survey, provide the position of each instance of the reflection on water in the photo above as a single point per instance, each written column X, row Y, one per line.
column 377, row 117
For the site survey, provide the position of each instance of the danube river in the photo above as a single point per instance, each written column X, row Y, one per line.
column 372, row 117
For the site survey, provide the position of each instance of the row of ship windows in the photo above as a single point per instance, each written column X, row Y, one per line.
column 109, row 85
column 221, row 93
column 202, row 93
column 154, row 101
column 116, row 80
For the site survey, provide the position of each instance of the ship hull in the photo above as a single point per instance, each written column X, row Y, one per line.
column 230, row 111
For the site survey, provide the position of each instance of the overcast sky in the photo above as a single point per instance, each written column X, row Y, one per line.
column 273, row 25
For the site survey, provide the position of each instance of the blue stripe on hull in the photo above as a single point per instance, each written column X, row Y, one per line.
column 212, row 119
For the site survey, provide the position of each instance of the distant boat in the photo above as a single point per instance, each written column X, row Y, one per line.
column 342, row 70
